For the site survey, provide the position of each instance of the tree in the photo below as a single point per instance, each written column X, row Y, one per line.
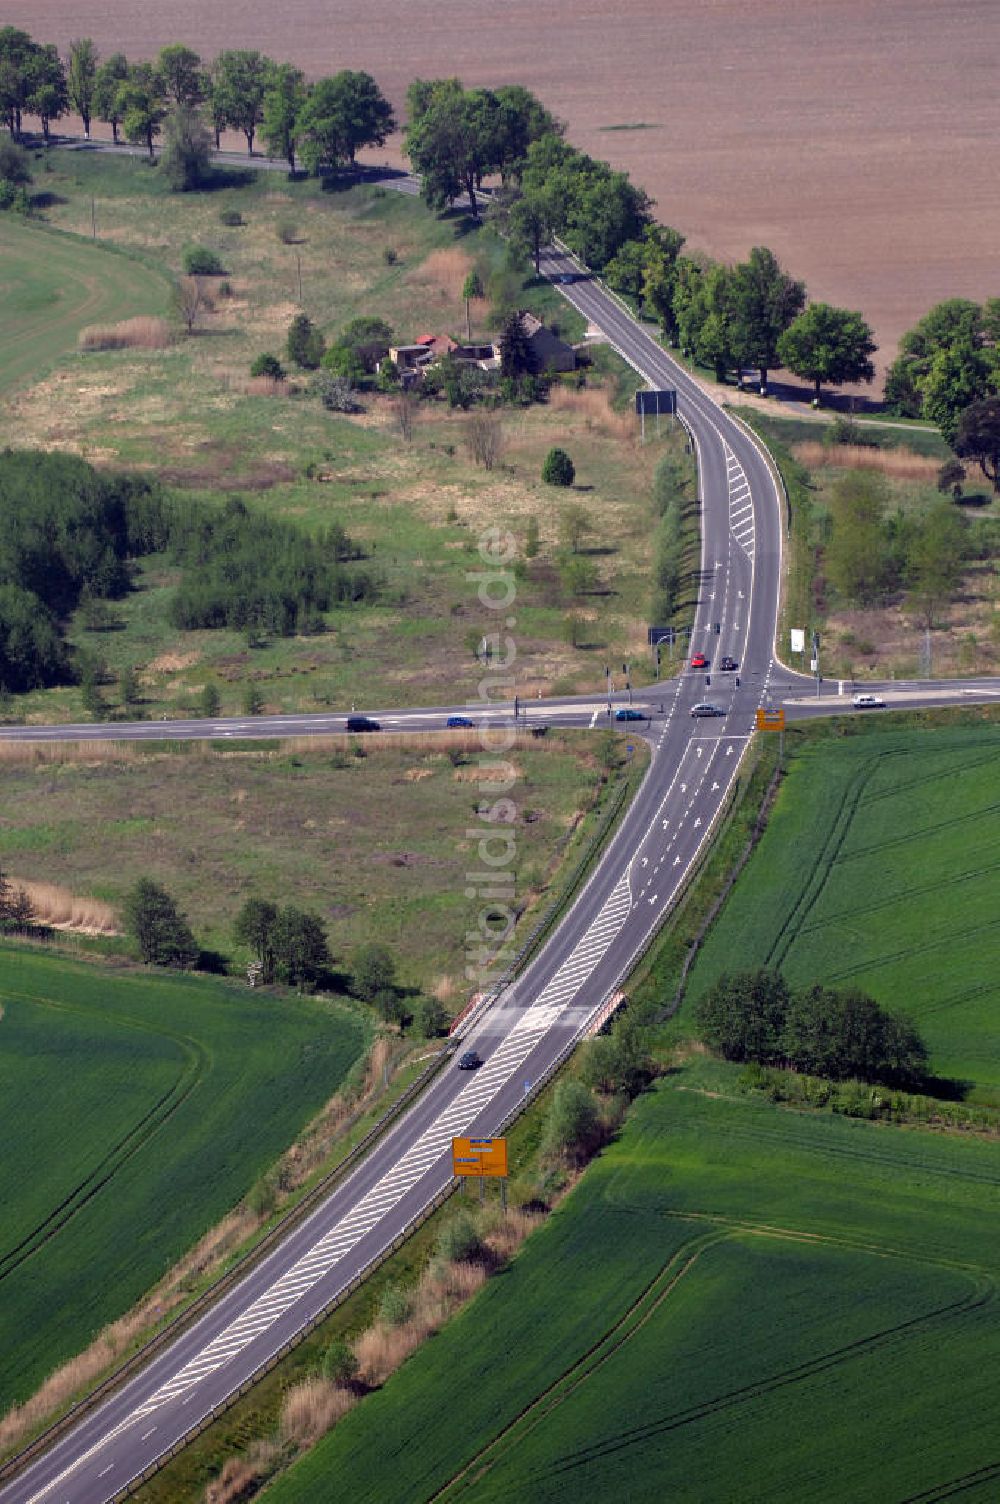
column 574, row 521
column 661, row 248
column 339, row 116
column 432, row 1018
column 128, row 687
column 340, row 1364
column 619, row 1061
column 484, row 437
column 107, row 86
column 742, row 1015
column 977, row 437
column 934, row 560
column 187, row 146
column 17, row 53
column 301, row 951
column 472, row 287
column 532, row 538
column 951, row 476
column 267, row 364
column 843, row 1034
column 48, row 96
column 956, row 378
column 141, row 106
column 558, row 469
column 209, row 702
column 254, row 927
column 573, row 1124
column 530, row 220
column 240, row 79
column 15, row 164
column 522, row 119
column 374, row 971
column 253, row 701
column 161, row 932
column 92, row 698
column 857, row 557
column 305, row 344
column 826, row 344
column 182, row 76
column 578, row 575
column 515, row 352
column 765, row 301
column 283, row 101
column 81, row 79
column 188, row 300
column 453, row 139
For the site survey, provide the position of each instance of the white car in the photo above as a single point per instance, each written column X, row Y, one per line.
column 868, row 702
column 706, row 709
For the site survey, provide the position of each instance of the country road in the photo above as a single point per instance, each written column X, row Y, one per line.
column 535, row 1020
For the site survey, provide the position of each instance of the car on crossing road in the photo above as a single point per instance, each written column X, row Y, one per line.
column 868, row 702
column 699, row 661
column 728, row 665
column 470, row 1061
column 627, row 714
column 705, row 709
column 362, row 723
column 459, row 720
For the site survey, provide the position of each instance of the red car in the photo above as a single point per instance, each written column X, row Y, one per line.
column 699, row 661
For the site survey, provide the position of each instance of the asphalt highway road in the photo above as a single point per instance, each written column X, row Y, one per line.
column 534, row 1020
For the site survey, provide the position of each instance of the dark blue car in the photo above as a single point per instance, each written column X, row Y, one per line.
column 459, row 720
column 629, row 715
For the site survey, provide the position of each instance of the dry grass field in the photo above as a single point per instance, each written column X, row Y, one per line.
column 749, row 120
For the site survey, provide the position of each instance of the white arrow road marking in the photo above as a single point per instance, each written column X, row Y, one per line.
column 677, row 861
column 653, row 899
column 684, row 788
column 729, row 751
column 697, row 822
column 698, row 750
column 714, row 787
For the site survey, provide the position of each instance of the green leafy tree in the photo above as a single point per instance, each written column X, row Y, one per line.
column 844, row 1034
column 253, row 701
column 956, row 378
column 283, row 101
column 240, row 79
column 661, row 252
column 529, row 221
column 341, row 115
column 522, row 119
column 182, row 76
column 48, row 96
column 453, row 139
column 301, row 951
column 108, row 81
column 765, row 301
column 161, row 932
column 92, row 697
column 575, row 523
column 432, row 1018
column 187, row 148
column 828, row 345
column 934, row 561
column 619, row 1062
column 472, row 287
column 15, row 164
column 209, row 702
column 254, row 927
column 558, row 469
column 515, row 352
column 374, row 971
column 626, row 271
column 532, row 538
column 578, row 575
column 857, row 557
column 977, row 437
column 128, row 687
column 81, row 79
column 141, row 106
column 573, row 1125
column 305, row 344
column 951, row 476
column 17, row 56
column 743, row 1015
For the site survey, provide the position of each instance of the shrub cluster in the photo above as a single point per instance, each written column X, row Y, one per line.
column 755, row 1016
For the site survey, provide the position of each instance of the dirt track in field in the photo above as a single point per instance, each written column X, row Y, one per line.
column 858, row 138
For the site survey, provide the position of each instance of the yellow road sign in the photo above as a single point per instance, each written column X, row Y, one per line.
column 479, row 1156
column 770, row 720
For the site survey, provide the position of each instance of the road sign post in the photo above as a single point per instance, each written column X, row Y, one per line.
column 656, row 402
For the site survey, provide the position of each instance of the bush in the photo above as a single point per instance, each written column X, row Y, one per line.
column 459, row 1242
column 231, row 218
column 374, row 971
column 287, row 231
column 558, row 469
column 268, row 365
column 199, row 261
column 432, row 1018
column 573, row 1126
column 394, row 1307
column 340, row 1365
column 13, row 197
column 15, row 164
column 334, row 392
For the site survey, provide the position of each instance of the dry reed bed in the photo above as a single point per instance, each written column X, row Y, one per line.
column 142, row 333
column 592, row 406
column 60, row 909
column 898, row 464
column 91, row 753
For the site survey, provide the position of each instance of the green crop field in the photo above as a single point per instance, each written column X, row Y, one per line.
column 134, row 1112
column 879, row 870
column 738, row 1302
column 55, row 285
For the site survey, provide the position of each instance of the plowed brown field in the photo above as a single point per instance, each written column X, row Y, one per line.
column 859, row 138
